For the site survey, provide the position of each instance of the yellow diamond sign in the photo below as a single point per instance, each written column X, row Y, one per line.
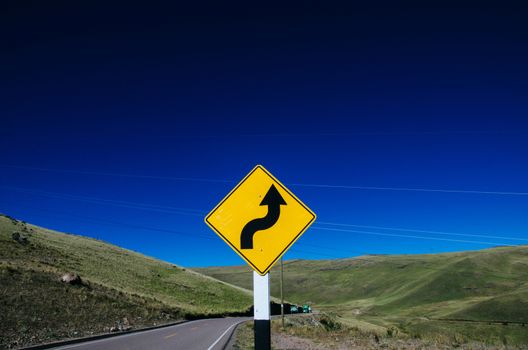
column 260, row 219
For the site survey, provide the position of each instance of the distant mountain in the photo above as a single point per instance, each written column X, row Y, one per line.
column 109, row 288
column 478, row 295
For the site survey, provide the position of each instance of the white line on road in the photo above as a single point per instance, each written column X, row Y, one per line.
column 217, row 340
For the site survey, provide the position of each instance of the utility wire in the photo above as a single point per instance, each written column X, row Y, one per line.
column 409, row 236
column 348, row 187
column 120, row 223
column 157, row 229
column 330, row 186
column 317, row 225
column 98, row 199
column 98, row 173
column 351, row 252
column 423, row 231
column 95, row 200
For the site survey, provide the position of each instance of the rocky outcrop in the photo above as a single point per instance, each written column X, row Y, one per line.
column 71, row 278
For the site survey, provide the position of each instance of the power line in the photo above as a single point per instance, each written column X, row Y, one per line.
column 156, row 229
column 149, row 228
column 330, row 186
column 187, row 234
column 98, row 173
column 424, row 231
column 386, row 133
column 95, row 200
column 65, row 195
column 347, row 187
column 120, row 223
column 195, row 212
column 409, row 236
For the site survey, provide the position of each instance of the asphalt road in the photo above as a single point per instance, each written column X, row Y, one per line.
column 209, row 334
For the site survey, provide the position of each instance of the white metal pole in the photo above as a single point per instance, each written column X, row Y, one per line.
column 261, row 302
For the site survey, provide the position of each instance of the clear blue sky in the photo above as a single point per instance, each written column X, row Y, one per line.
column 129, row 123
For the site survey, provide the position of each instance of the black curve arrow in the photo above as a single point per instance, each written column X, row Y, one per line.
column 273, row 200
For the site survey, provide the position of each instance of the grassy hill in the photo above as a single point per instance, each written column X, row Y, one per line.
column 481, row 295
column 119, row 288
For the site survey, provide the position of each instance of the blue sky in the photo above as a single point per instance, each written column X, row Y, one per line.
column 130, row 124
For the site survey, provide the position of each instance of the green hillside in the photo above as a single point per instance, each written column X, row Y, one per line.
column 481, row 295
column 119, row 288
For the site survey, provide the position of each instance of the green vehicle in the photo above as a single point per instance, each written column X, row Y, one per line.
column 306, row 309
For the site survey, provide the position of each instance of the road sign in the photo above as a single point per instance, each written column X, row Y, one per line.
column 260, row 219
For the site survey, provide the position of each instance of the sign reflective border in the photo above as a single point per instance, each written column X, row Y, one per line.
column 260, row 219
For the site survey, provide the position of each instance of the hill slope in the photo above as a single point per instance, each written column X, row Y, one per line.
column 119, row 288
column 440, row 295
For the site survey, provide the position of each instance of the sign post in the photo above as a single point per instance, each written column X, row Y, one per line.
column 261, row 303
column 260, row 219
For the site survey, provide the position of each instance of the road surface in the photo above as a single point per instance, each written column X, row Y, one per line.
column 209, row 334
